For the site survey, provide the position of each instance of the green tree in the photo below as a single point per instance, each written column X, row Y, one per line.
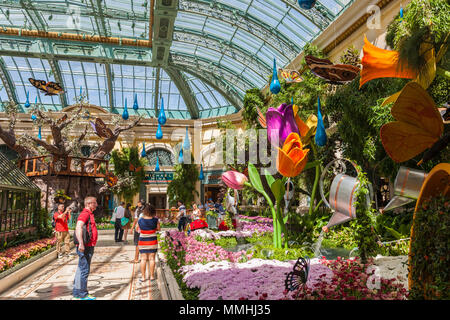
column 129, row 168
column 182, row 187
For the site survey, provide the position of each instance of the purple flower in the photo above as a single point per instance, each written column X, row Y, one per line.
column 281, row 121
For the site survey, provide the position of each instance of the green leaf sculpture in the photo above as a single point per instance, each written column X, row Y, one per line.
column 255, row 179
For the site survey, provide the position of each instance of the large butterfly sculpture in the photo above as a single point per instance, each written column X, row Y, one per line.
column 50, row 88
column 261, row 118
column 418, row 126
column 332, row 73
column 298, row 276
column 134, row 169
column 290, row 76
column 101, row 129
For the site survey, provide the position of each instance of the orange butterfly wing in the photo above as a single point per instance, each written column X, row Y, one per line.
column 403, row 141
column 418, row 127
column 53, row 88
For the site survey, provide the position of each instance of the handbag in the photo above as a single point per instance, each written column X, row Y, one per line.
column 86, row 235
column 124, row 221
column 113, row 217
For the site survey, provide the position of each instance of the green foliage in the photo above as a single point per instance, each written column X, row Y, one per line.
column 430, row 251
column 364, row 231
column 130, row 181
column 423, row 20
column 182, row 187
column 252, row 99
column 393, row 226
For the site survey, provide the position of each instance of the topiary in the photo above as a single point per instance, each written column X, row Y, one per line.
column 429, row 251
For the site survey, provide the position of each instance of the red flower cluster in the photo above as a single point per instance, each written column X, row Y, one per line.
column 350, row 282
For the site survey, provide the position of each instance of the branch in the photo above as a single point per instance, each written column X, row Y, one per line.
column 44, row 117
column 118, row 130
column 49, row 147
column 71, row 119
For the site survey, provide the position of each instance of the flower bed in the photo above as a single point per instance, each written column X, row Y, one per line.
column 254, row 279
column 205, row 270
column 201, row 252
column 353, row 280
column 15, row 255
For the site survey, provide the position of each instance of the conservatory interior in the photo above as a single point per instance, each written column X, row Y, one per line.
column 289, row 149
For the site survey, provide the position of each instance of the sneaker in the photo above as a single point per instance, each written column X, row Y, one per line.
column 88, row 297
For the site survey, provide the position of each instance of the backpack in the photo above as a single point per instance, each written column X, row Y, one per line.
column 86, row 235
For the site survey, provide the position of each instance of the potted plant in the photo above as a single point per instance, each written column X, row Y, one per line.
column 61, row 196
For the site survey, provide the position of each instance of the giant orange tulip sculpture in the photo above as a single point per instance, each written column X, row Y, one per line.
column 292, row 158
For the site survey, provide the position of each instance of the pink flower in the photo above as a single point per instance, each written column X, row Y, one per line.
column 234, row 179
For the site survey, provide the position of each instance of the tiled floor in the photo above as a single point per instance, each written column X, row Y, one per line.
column 112, row 277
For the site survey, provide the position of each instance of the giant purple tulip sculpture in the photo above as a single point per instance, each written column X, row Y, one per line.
column 280, row 123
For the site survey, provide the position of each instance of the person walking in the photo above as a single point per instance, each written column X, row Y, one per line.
column 181, row 216
column 118, row 230
column 61, row 218
column 85, row 251
column 138, row 213
column 126, row 227
column 148, row 240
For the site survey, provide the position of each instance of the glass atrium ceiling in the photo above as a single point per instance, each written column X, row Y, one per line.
column 217, row 50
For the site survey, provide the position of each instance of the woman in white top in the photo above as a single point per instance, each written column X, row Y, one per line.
column 196, row 214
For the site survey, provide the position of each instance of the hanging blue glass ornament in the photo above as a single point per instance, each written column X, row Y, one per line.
column 306, row 4
column 201, row 175
column 35, row 101
column 143, row 153
column 162, row 115
column 321, row 135
column 40, row 133
column 125, row 111
column 401, row 12
column 27, row 103
column 186, row 144
column 33, row 117
column 275, row 83
column 157, row 164
column 135, row 104
column 180, row 156
column 292, row 100
column 159, row 133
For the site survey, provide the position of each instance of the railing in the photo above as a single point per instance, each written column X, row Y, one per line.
column 171, row 214
column 69, row 166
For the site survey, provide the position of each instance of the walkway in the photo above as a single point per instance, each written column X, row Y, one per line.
column 112, row 276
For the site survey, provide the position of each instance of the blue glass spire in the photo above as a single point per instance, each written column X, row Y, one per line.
column 162, row 116
column 321, row 135
column 143, row 153
column 27, row 103
column 157, row 164
column 40, row 133
column 135, row 104
column 159, row 133
column 180, row 156
column 275, row 83
column 125, row 115
column 201, row 175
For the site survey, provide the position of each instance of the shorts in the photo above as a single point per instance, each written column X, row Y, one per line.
column 136, row 238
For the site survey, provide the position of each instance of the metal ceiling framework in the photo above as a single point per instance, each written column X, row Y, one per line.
column 227, row 45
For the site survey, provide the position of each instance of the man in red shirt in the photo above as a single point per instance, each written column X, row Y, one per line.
column 62, row 229
column 85, row 251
